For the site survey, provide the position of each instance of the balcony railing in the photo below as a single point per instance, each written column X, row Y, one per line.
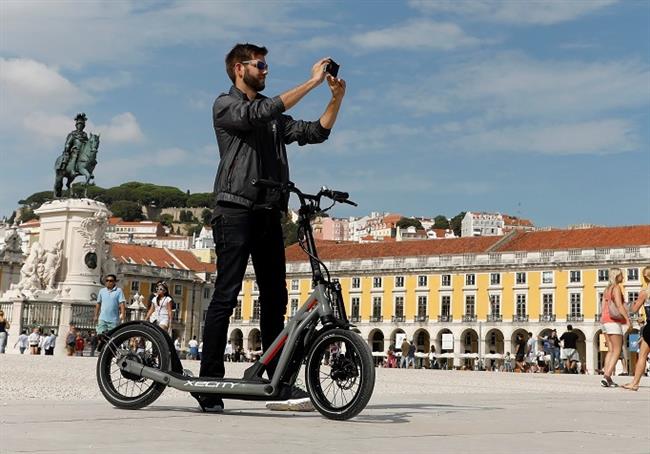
column 547, row 318
column 575, row 318
column 355, row 319
column 469, row 318
column 597, row 318
column 255, row 318
column 396, row 319
column 376, row 318
column 495, row 318
column 421, row 318
column 445, row 318
column 520, row 318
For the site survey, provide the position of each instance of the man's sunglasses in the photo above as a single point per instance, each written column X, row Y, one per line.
column 109, row 280
column 259, row 64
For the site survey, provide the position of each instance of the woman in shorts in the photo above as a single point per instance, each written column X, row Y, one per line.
column 644, row 342
column 613, row 327
column 160, row 310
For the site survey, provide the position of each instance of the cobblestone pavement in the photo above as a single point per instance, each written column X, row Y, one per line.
column 52, row 405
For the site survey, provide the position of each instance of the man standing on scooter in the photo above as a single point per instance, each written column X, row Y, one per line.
column 252, row 133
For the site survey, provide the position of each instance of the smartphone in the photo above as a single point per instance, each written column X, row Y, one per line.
column 332, row 68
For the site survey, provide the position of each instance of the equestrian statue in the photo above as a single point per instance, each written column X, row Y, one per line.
column 79, row 157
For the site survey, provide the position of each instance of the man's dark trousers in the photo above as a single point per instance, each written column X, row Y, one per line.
column 237, row 236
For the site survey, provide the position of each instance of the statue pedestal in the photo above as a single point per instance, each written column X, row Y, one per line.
column 81, row 224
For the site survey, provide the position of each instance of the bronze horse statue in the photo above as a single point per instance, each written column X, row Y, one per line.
column 83, row 165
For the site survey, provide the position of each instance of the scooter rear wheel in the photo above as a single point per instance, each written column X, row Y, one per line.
column 340, row 374
column 138, row 343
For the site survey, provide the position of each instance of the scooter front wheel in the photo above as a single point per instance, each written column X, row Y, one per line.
column 138, row 343
column 340, row 374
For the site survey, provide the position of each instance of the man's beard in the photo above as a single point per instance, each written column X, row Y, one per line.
column 255, row 84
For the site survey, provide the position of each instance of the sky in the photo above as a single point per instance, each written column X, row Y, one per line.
column 530, row 108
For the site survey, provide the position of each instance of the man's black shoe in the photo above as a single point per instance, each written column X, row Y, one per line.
column 209, row 404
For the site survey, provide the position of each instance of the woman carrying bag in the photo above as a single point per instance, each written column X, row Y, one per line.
column 615, row 324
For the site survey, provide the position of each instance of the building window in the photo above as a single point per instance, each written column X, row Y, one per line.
column 295, row 284
column 206, row 293
column 495, row 305
column 376, row 282
column 399, row 281
column 603, row 275
column 178, row 289
column 422, row 281
column 356, row 282
column 176, row 314
column 521, row 305
column 547, row 277
column 238, row 310
column 495, row 278
column 399, row 306
column 255, row 287
column 547, row 304
column 632, row 274
column 445, row 306
column 355, row 308
column 470, row 305
column 376, row 307
column 574, row 276
column 422, row 306
column 445, row 280
column 575, row 305
column 294, row 306
column 470, row 279
column 632, row 297
column 520, row 278
column 135, row 286
column 256, row 309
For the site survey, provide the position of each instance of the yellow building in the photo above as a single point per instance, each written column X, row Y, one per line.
column 480, row 292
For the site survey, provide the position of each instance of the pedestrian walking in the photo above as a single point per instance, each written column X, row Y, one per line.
column 161, row 307
column 615, row 324
column 23, row 341
column 4, row 331
column 111, row 305
column 79, row 345
column 569, row 350
column 92, row 342
column 644, row 343
column 50, row 343
column 34, row 339
column 193, row 346
column 70, row 339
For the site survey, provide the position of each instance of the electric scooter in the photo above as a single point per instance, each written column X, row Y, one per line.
column 138, row 360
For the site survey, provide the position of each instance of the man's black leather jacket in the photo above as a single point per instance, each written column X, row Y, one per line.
column 252, row 136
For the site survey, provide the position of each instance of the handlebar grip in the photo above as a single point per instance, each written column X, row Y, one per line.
column 340, row 196
column 350, row 202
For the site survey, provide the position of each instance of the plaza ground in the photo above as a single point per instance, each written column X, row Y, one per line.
column 53, row 405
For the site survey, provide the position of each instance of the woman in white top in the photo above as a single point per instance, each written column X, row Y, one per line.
column 161, row 307
column 34, row 339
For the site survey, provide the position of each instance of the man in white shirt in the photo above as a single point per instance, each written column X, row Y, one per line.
column 227, row 355
column 22, row 342
column 194, row 348
column 49, row 344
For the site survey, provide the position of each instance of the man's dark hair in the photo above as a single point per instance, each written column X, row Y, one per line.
column 240, row 53
column 111, row 275
column 569, row 327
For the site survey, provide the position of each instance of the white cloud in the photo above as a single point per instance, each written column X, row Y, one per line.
column 106, row 83
column 121, row 128
column 514, row 11
column 421, row 34
column 126, row 32
column 606, row 136
column 28, row 87
column 514, row 86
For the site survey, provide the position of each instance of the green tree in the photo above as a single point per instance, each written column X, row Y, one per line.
column 289, row 231
column 404, row 223
column 440, row 222
column 206, row 216
column 127, row 210
column 193, row 229
column 185, row 216
column 167, row 219
column 200, row 199
column 27, row 214
column 37, row 199
column 455, row 223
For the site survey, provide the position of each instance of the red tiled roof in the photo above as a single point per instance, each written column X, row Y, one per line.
column 30, row 223
column 598, row 237
column 161, row 257
column 395, row 249
column 514, row 220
